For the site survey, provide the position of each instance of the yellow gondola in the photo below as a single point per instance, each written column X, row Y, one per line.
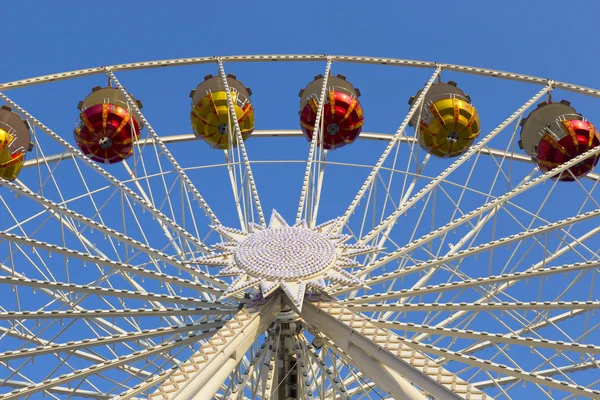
column 210, row 112
column 449, row 123
column 14, row 143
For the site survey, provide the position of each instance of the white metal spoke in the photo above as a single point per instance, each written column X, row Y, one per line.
column 483, row 306
column 505, row 241
column 467, row 155
column 109, row 340
column 71, row 151
column 547, row 372
column 497, row 202
column 316, row 140
column 183, row 176
column 491, row 337
column 95, row 369
column 104, row 262
column 393, row 142
column 111, row 232
column 61, row 390
column 531, row 328
column 540, row 265
column 100, row 291
column 457, row 285
column 231, row 169
column 79, row 353
column 338, row 385
column 240, row 143
column 116, row 313
column 503, row 369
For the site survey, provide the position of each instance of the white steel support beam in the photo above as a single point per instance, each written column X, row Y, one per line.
column 531, row 328
column 240, row 143
column 269, row 369
column 238, row 390
column 337, row 385
column 377, row 352
column 149, row 200
column 320, row 178
column 456, row 248
column 79, row 353
column 392, row 62
column 315, row 141
column 59, row 296
column 202, row 374
column 395, row 139
column 391, row 219
column 233, row 179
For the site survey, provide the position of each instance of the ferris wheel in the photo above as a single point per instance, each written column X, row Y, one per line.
column 454, row 258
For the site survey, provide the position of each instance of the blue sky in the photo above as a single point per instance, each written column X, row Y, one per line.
column 542, row 37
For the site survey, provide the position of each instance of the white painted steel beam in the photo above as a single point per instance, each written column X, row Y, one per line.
column 491, row 337
column 475, row 282
column 257, row 134
column 531, row 328
column 113, row 339
column 395, row 62
column 547, row 372
column 391, row 219
column 61, row 390
column 78, row 353
column 377, row 352
column 48, row 204
column 117, row 313
column 100, row 291
column 71, row 151
column 483, row 306
column 202, row 374
column 497, row 202
column 101, row 261
column 537, row 266
column 99, row 368
column 505, row 241
column 505, row 370
column 395, row 139
column 240, row 144
column 182, row 175
column 316, row 138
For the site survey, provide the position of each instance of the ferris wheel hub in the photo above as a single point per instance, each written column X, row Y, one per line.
column 285, row 254
column 293, row 259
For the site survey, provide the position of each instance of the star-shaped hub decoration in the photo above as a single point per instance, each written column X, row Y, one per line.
column 294, row 259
